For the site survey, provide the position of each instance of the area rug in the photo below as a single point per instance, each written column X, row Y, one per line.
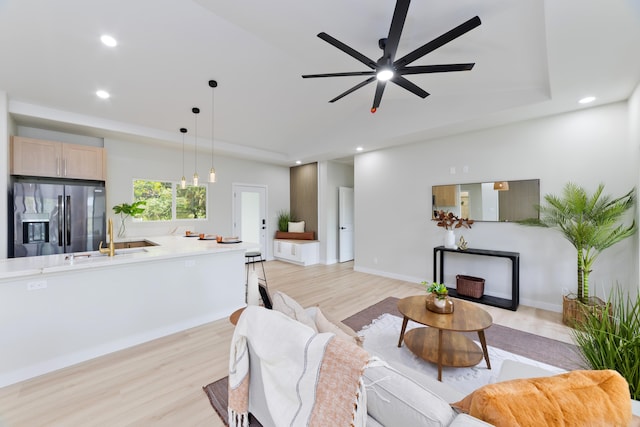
column 380, row 325
column 536, row 347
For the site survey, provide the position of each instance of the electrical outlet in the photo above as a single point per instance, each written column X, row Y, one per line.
column 36, row 285
column 189, row 263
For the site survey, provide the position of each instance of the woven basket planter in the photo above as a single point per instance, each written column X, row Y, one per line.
column 575, row 311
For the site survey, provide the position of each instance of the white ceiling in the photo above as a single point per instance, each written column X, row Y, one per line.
column 533, row 58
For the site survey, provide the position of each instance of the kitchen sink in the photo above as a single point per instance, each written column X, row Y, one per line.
column 87, row 256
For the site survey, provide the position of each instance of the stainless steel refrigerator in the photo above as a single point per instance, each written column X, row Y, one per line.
column 51, row 217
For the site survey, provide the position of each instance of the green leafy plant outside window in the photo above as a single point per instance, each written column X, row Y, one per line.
column 158, row 197
column 191, row 203
column 166, row 201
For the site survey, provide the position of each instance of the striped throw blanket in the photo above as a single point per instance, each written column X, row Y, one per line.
column 310, row 379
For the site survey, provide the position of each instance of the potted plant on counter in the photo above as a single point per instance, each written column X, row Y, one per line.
column 125, row 211
column 591, row 223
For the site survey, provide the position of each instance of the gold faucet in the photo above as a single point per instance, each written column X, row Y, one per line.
column 110, row 250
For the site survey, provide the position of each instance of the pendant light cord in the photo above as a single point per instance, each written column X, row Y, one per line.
column 183, row 131
column 196, row 111
column 212, row 125
column 212, row 172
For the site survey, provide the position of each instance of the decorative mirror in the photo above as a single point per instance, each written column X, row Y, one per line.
column 502, row 201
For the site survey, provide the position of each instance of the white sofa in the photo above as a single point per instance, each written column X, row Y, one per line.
column 396, row 395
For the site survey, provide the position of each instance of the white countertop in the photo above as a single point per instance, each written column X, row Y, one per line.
column 167, row 247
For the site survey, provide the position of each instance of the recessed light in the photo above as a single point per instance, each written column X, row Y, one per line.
column 102, row 94
column 108, row 40
column 298, row 162
column 359, row 148
column 587, row 100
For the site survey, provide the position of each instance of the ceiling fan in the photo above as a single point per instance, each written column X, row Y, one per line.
column 387, row 68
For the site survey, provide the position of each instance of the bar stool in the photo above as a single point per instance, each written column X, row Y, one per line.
column 251, row 257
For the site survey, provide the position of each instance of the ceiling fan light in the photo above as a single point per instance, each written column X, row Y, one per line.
column 384, row 74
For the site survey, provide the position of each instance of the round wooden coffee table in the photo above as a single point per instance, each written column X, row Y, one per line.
column 441, row 342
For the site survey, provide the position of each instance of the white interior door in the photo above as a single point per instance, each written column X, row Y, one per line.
column 345, row 224
column 250, row 215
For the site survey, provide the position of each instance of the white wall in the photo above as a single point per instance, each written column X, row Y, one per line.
column 4, row 178
column 634, row 132
column 128, row 160
column 331, row 176
column 395, row 237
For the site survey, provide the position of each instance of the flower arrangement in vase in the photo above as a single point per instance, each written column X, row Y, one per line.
column 449, row 221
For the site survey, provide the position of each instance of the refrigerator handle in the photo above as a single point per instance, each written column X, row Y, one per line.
column 67, row 225
column 60, row 220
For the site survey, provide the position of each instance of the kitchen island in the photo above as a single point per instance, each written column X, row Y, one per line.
column 58, row 310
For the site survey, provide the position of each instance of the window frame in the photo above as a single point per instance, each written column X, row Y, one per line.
column 175, row 186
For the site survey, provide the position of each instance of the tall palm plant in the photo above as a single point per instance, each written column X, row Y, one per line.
column 591, row 223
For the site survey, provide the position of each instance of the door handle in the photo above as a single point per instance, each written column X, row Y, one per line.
column 343, row 228
column 68, row 220
column 60, row 220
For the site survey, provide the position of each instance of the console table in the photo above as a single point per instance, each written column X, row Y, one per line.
column 511, row 304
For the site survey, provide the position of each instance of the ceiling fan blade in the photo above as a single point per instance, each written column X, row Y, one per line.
column 406, row 84
column 445, row 68
column 348, row 50
column 395, row 31
column 378, row 97
column 438, row 42
column 348, row 74
column 353, row 89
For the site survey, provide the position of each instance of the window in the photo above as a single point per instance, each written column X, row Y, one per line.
column 166, row 201
column 191, row 203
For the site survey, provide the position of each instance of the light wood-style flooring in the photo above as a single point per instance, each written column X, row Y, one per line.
column 160, row 383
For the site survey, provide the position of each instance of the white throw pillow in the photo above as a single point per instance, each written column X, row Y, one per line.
column 287, row 305
column 296, row 227
column 394, row 399
column 339, row 329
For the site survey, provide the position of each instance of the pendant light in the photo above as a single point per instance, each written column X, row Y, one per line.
column 196, row 111
column 501, row 185
column 183, row 181
column 212, row 172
